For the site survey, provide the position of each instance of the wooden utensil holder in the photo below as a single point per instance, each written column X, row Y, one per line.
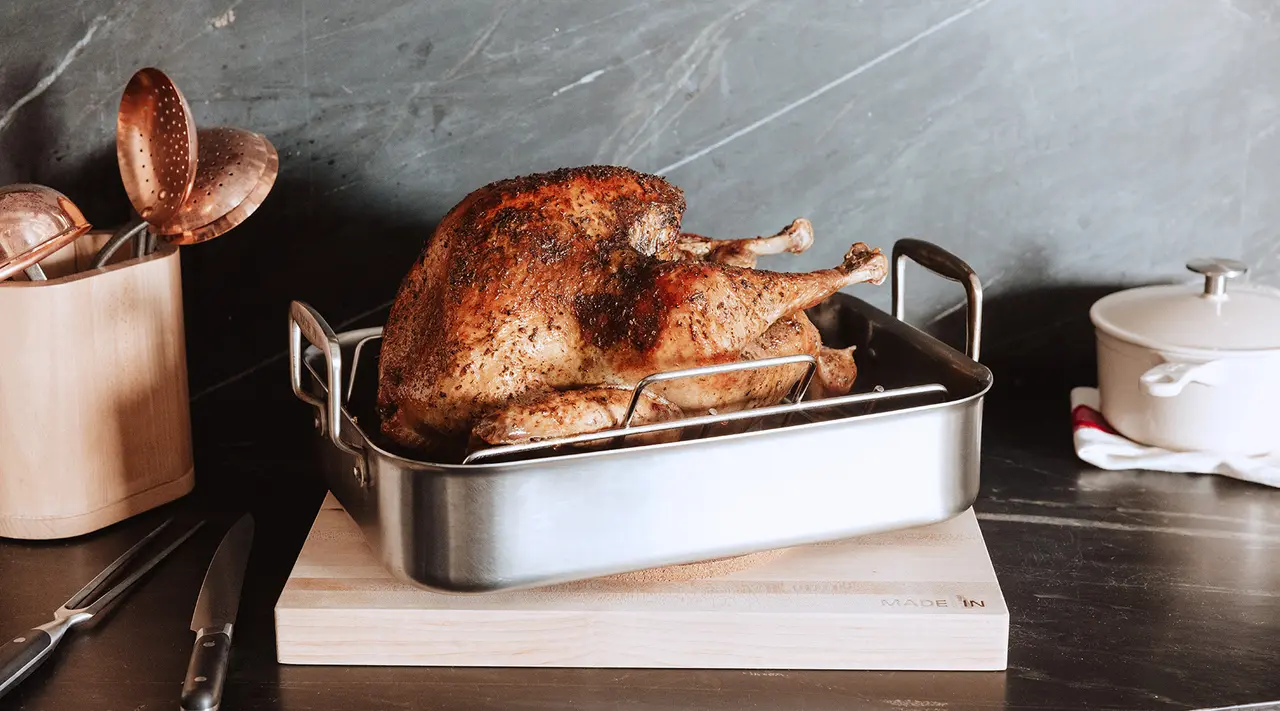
column 95, row 424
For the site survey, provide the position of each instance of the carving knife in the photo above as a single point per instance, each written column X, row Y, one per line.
column 214, row 618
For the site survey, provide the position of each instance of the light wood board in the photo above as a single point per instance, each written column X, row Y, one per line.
column 925, row 598
column 94, row 419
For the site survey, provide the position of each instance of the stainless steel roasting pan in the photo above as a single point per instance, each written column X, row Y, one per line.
column 902, row 450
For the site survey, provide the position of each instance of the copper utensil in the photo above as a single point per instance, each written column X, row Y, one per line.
column 156, row 145
column 156, row 150
column 35, row 222
column 237, row 169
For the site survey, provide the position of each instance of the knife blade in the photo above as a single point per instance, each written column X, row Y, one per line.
column 214, row 618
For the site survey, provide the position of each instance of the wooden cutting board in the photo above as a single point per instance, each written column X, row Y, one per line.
column 925, row 598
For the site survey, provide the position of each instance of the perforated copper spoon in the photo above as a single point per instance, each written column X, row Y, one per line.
column 156, row 145
column 237, row 169
column 156, row 149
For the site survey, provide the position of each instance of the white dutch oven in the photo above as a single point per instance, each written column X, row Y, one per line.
column 1192, row 369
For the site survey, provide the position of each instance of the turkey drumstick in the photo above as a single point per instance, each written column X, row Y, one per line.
column 795, row 238
column 794, row 334
column 709, row 313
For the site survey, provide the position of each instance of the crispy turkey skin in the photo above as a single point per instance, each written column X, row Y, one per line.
column 580, row 279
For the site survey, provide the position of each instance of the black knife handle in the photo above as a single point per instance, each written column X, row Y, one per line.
column 21, row 655
column 202, row 691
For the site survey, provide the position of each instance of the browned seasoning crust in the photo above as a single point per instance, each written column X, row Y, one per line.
column 580, row 278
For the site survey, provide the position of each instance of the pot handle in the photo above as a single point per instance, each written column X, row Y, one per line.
column 306, row 321
column 1169, row 379
column 946, row 265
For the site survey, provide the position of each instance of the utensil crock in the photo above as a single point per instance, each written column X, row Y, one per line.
column 94, row 417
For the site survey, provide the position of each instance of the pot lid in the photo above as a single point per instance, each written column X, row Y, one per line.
column 1211, row 317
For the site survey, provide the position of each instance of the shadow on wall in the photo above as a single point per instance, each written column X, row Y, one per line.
column 31, row 152
column 1039, row 343
column 337, row 254
column 341, row 247
column 93, row 184
column 25, row 144
column 306, row 242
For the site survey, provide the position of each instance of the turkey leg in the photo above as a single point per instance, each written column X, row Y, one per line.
column 836, row 368
column 794, row 238
column 837, row 371
column 717, row 310
column 785, row 293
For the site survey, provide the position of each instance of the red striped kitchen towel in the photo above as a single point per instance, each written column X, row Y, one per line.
column 1100, row 445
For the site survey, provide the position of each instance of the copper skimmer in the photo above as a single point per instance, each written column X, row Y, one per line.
column 236, row 171
column 156, row 145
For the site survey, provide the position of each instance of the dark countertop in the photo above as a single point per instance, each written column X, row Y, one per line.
column 1127, row 590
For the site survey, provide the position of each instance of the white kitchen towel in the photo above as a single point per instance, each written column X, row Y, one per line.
column 1100, row 445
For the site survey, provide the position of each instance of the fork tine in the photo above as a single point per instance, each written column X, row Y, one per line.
column 110, row 570
column 124, row 585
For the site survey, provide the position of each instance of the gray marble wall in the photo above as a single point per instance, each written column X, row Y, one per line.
column 1062, row 147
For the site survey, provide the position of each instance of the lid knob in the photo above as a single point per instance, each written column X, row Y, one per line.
column 1217, row 271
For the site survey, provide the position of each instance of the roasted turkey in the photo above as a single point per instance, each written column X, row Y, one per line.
column 540, row 301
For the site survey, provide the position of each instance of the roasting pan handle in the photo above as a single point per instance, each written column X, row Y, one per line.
column 944, row 264
column 305, row 321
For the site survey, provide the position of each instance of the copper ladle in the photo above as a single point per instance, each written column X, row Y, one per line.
column 236, row 171
column 187, row 185
column 156, row 148
column 35, row 222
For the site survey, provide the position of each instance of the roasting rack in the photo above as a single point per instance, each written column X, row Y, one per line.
column 786, row 411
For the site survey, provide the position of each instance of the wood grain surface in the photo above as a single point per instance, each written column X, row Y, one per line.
column 93, row 393
column 925, row 598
